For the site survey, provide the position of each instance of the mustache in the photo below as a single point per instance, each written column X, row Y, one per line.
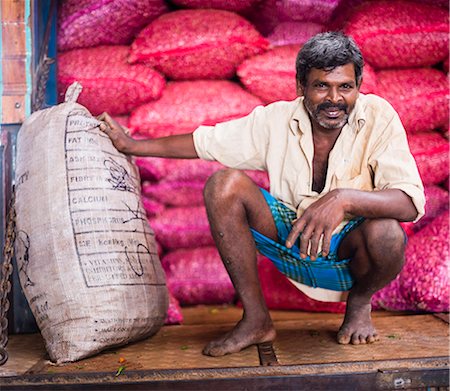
column 329, row 105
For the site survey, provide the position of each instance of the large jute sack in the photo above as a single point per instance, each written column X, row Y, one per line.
column 197, row 44
column 88, row 23
column 185, row 105
column 87, row 258
column 183, row 227
column 400, row 34
column 420, row 96
column 198, row 276
column 431, row 152
column 109, row 83
column 228, row 5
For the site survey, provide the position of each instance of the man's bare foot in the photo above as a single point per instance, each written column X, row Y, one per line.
column 243, row 335
column 357, row 327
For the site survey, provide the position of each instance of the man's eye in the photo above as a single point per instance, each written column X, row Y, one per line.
column 320, row 85
column 347, row 86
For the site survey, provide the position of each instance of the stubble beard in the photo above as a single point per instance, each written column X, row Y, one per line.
column 314, row 113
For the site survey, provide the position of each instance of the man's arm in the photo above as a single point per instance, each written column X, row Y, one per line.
column 322, row 217
column 177, row 146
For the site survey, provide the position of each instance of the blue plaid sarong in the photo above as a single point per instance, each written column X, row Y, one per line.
column 325, row 272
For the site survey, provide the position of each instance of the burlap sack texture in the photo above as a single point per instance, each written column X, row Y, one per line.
column 87, row 258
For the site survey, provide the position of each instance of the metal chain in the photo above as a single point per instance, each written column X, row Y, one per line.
column 6, row 271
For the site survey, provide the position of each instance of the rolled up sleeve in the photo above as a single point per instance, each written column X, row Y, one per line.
column 239, row 143
column 394, row 166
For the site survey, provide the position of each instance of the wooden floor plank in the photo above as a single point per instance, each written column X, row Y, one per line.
column 302, row 339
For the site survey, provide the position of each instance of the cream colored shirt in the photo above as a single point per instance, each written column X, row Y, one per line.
column 371, row 153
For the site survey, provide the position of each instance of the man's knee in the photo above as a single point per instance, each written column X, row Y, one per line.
column 223, row 184
column 384, row 241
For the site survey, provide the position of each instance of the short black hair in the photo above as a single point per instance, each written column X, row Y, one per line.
column 327, row 51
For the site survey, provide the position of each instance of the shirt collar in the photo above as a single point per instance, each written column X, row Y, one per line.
column 356, row 120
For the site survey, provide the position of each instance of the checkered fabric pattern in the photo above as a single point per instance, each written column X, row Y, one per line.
column 325, row 272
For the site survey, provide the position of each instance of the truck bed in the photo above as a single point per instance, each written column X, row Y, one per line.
column 413, row 353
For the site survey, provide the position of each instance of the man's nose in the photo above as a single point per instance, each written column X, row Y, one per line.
column 334, row 95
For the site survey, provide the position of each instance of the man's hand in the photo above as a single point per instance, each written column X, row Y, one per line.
column 116, row 133
column 318, row 221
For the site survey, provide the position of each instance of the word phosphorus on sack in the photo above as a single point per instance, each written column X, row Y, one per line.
column 87, row 258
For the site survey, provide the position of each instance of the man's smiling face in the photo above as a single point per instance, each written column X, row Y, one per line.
column 330, row 96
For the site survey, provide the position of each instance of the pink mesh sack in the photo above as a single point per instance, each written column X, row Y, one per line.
column 294, row 33
column 423, row 284
column 88, row 23
column 174, row 314
column 436, row 203
column 424, row 281
column 420, row 96
column 109, row 82
column 369, row 83
column 197, row 44
column 189, row 193
column 400, row 34
column 430, row 151
column 271, row 76
column 152, row 207
column 318, row 11
column 179, row 193
column 156, row 169
column 183, row 227
column 185, row 105
column 280, row 294
column 198, row 276
column 228, row 5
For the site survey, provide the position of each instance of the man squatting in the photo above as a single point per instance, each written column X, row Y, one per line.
column 341, row 179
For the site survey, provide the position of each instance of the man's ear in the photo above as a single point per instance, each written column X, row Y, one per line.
column 300, row 89
column 358, row 85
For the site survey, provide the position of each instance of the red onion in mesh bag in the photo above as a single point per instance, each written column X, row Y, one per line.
column 369, row 83
column 228, row 5
column 152, row 207
column 318, row 11
column 267, row 15
column 183, row 227
column 109, row 82
column 174, row 314
column 400, row 34
column 156, row 169
column 430, row 151
column 88, row 23
column 436, row 203
column 197, row 44
column 185, row 105
column 389, row 298
column 420, row 96
column 198, row 276
column 424, row 281
column 294, row 33
column 271, row 76
column 279, row 293
column 179, row 193
column 189, row 193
